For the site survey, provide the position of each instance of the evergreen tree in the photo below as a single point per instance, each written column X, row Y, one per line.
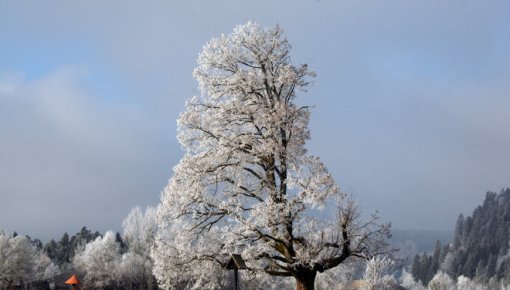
column 37, row 244
column 436, row 256
column 416, row 267
column 481, row 240
column 491, row 266
column 63, row 249
column 459, row 228
column 481, row 271
column 120, row 241
column 426, row 268
column 444, row 252
column 51, row 250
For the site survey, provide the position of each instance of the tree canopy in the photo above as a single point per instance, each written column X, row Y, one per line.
column 246, row 183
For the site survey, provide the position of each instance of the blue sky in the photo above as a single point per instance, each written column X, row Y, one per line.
column 410, row 115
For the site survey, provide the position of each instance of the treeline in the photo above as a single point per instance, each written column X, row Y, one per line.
column 425, row 266
column 63, row 251
column 22, row 262
column 480, row 247
column 109, row 261
column 477, row 258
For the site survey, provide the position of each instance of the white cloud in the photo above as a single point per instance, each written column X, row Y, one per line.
column 67, row 157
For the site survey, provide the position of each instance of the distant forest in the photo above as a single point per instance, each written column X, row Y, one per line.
column 479, row 249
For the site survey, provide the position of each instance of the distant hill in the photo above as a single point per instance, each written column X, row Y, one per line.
column 480, row 246
column 420, row 240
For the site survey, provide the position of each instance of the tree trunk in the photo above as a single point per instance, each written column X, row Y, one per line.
column 305, row 280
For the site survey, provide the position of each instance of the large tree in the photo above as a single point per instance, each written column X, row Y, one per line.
column 246, row 184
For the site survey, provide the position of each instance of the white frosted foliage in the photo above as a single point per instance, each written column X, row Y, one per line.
column 246, row 183
column 441, row 281
column 99, row 260
column 21, row 262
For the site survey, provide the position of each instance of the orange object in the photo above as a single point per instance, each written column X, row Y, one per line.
column 73, row 280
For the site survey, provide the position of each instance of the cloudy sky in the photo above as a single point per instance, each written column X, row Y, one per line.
column 411, row 102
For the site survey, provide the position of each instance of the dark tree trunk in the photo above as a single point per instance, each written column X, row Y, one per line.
column 305, row 280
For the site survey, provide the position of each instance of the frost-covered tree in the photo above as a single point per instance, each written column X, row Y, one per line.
column 175, row 270
column 246, row 183
column 408, row 282
column 106, row 264
column 139, row 230
column 16, row 261
column 139, row 233
column 375, row 275
column 441, row 281
column 134, row 271
column 43, row 268
column 22, row 262
column 339, row 277
column 99, row 260
column 464, row 283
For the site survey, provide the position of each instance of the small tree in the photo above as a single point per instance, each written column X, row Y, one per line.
column 464, row 283
column 375, row 273
column 246, row 184
column 44, row 268
column 139, row 230
column 408, row 281
column 99, row 260
column 16, row 260
column 21, row 262
column 441, row 281
column 139, row 233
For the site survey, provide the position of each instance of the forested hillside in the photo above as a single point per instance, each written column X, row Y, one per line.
column 479, row 248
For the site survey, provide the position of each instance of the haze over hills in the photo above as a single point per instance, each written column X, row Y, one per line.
column 412, row 241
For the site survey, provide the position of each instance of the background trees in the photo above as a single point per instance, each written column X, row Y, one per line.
column 15, row 260
column 139, row 233
column 139, row 230
column 124, row 261
column 110, row 260
column 22, row 262
column 63, row 251
column 480, row 245
column 246, row 184
column 377, row 274
column 99, row 260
